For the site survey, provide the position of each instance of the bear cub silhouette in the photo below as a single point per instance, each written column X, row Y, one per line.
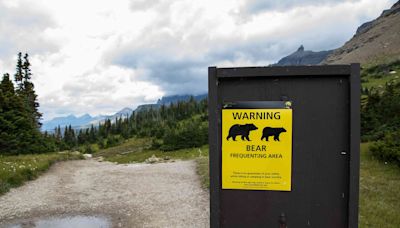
column 269, row 131
column 243, row 130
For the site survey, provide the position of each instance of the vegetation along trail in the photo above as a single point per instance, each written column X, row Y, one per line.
column 130, row 195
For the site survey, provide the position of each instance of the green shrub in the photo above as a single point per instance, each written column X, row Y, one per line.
column 388, row 149
column 189, row 134
column 88, row 149
column 155, row 144
column 380, row 114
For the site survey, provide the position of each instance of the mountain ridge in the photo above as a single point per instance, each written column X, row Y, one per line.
column 78, row 122
column 85, row 120
column 374, row 42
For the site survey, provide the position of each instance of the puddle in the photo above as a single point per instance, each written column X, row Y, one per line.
column 66, row 222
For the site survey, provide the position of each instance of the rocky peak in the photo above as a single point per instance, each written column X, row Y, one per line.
column 300, row 49
column 303, row 57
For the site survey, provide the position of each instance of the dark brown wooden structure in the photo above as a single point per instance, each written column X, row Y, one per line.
column 325, row 156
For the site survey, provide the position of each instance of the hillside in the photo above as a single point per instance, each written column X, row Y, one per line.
column 375, row 42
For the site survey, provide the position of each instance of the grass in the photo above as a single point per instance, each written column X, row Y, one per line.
column 379, row 192
column 133, row 145
column 138, row 150
column 379, row 83
column 376, row 76
column 15, row 170
column 203, row 171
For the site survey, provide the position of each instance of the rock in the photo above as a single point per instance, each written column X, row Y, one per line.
column 152, row 159
column 303, row 57
column 87, row 156
column 364, row 27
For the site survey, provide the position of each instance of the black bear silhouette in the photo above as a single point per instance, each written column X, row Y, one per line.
column 269, row 131
column 243, row 130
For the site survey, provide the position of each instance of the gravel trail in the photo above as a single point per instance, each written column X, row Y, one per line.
column 134, row 195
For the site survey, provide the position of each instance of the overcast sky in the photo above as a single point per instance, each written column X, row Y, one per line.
column 99, row 56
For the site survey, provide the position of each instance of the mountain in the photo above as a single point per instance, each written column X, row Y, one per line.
column 168, row 100
column 303, row 57
column 374, row 42
column 86, row 120
column 123, row 112
column 67, row 120
column 82, row 121
column 145, row 107
column 175, row 98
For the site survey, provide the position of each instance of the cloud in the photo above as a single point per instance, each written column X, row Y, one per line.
column 24, row 28
column 99, row 58
column 139, row 5
column 100, row 91
column 175, row 53
column 175, row 75
column 258, row 6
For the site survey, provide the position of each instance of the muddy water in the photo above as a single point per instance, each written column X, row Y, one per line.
column 65, row 222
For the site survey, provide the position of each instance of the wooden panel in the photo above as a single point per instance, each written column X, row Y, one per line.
column 325, row 146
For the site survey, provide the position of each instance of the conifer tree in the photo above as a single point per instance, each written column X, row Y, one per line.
column 28, row 93
column 19, row 115
column 14, row 124
column 18, row 76
column 92, row 134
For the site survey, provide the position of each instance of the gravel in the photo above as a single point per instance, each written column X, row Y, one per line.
column 133, row 195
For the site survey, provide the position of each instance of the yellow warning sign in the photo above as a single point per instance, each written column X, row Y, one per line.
column 257, row 149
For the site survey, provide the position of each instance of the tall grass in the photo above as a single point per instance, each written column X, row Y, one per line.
column 203, row 171
column 379, row 192
column 15, row 170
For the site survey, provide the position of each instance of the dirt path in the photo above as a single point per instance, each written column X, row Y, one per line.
column 134, row 195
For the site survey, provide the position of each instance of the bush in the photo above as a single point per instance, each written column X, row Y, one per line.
column 381, row 113
column 155, row 144
column 114, row 140
column 88, row 149
column 191, row 133
column 388, row 149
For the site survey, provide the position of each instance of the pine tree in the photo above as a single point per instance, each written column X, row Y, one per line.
column 29, row 95
column 14, row 124
column 18, row 77
column 92, row 134
column 19, row 116
column 69, row 137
